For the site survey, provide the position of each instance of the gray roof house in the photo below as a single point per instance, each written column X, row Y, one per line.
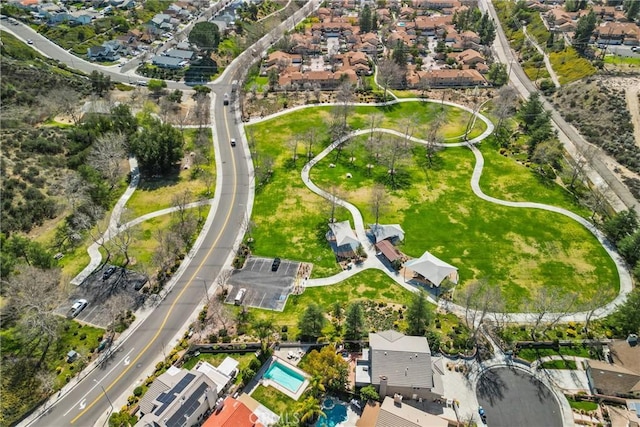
column 102, row 53
column 168, row 62
column 179, row 53
column 178, row 397
column 160, row 18
column 397, row 364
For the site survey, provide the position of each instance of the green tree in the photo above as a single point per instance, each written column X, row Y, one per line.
column 122, row 419
column 328, row 365
column 316, row 386
column 629, row 248
column 399, row 54
column 158, row 147
column 418, row 315
column 368, row 393
column 175, row 96
column 621, row 225
column 497, row 74
column 99, row 82
column 309, row 410
column 157, row 87
column 311, row 322
column 263, row 329
column 205, row 35
column 337, row 312
column 486, row 30
column 531, row 110
column 355, row 327
column 584, row 30
column 632, row 8
column 626, row 320
column 365, row 19
column 201, row 90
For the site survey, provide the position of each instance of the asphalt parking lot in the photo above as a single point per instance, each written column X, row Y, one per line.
column 512, row 397
column 119, row 285
column 265, row 288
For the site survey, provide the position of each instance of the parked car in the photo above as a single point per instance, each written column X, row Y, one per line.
column 77, row 307
column 108, row 272
column 276, row 264
column 225, row 99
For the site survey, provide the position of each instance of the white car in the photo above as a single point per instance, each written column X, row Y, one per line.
column 77, row 307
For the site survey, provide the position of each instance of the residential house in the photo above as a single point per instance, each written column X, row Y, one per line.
column 397, row 364
column 468, row 57
column 159, row 19
column 393, row 412
column 557, row 16
column 357, row 61
column 616, row 33
column 103, row 53
column 233, row 414
column 436, row 4
column 185, row 55
column 428, row 25
column 620, row 377
column 181, row 397
column 326, row 80
column 168, row 62
column 282, row 59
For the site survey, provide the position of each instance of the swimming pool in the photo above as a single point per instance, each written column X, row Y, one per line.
column 335, row 413
column 284, row 376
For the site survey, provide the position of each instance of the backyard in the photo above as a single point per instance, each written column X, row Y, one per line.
column 518, row 249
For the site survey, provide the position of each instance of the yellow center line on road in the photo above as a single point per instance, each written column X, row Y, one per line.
column 193, row 276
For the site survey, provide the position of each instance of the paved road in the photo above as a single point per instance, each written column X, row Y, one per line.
column 89, row 399
column 512, row 397
column 574, row 143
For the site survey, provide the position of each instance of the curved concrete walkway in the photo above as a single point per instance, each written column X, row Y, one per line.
column 373, row 262
column 115, row 227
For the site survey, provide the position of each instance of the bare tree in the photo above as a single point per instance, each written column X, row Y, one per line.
column 345, row 97
column 598, row 201
column 397, row 150
column 186, row 222
column 116, row 307
column 65, row 101
column 311, row 137
column 333, row 202
column 576, row 170
column 504, row 107
column 292, row 144
column 164, row 257
column 480, row 299
column 98, row 235
column 35, row 294
column 124, row 237
column 434, row 138
column 424, row 87
column 547, row 306
column 379, row 201
column 389, row 74
column 107, row 153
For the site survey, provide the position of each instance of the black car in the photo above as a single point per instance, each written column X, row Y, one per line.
column 108, row 272
column 233, row 142
column 275, row 265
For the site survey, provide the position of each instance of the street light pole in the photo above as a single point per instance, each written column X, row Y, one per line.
column 105, row 394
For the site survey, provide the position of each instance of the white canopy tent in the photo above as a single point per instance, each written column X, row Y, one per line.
column 433, row 269
column 381, row 232
column 344, row 234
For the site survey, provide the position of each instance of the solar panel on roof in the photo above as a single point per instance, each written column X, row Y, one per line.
column 183, row 383
column 188, row 407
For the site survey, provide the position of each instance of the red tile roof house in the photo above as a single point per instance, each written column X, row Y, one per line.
column 282, row 59
column 617, row 33
column 446, row 78
column 233, row 414
column 468, row 57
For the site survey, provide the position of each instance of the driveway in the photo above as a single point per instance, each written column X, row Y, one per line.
column 512, row 397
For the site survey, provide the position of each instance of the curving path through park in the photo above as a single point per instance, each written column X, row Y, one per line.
column 373, row 262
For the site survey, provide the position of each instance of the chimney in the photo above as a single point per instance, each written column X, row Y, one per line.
column 383, row 385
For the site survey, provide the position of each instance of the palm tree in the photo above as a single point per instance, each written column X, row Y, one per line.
column 263, row 328
column 309, row 410
column 316, row 386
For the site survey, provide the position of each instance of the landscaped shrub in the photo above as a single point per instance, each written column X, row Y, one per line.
column 138, row 391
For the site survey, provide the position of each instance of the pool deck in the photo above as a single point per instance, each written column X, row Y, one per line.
column 260, row 380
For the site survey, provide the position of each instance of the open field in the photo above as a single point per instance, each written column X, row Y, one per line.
column 520, row 250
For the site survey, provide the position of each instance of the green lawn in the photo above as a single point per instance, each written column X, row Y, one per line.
column 155, row 194
column 582, row 404
column 298, row 230
column 530, row 354
column 519, row 249
column 621, row 60
column 276, row 401
column 244, row 359
column 369, row 285
column 559, row 364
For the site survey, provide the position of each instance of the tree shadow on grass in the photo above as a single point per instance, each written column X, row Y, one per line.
column 150, row 183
